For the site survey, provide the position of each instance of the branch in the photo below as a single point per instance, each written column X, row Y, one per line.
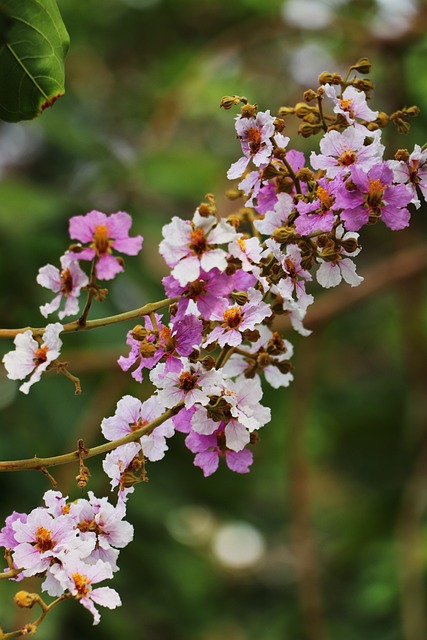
column 75, row 456
column 71, row 327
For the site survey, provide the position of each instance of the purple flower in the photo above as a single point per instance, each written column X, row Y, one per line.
column 341, row 152
column 210, row 448
column 254, row 134
column 104, row 233
column 372, row 197
column 237, row 319
column 67, row 283
column 32, row 357
column 209, row 292
column 351, row 105
column 317, row 215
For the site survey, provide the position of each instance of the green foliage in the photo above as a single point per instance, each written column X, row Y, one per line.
column 34, row 43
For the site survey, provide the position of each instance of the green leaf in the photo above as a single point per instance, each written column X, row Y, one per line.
column 33, row 46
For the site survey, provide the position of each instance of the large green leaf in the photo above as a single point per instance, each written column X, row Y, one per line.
column 33, row 45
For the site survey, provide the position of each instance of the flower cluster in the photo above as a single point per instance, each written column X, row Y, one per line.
column 208, row 348
column 72, row 545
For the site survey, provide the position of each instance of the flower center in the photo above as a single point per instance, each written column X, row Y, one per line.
column 198, row 243
column 89, row 525
column 347, row 158
column 187, row 381
column 325, row 199
column 82, row 584
column 101, row 240
column 347, row 105
column 375, row 194
column 44, row 541
column 67, row 282
column 40, row 355
column 167, row 341
column 233, row 317
column 242, row 244
column 290, row 267
column 196, row 289
column 138, row 425
column 254, row 139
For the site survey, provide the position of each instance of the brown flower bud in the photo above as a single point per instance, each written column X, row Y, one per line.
column 239, row 297
column 325, row 78
column 363, row 84
column 251, row 334
column 25, row 599
column 249, row 110
column 362, row 66
column 279, row 124
column 302, row 109
column 208, row 363
column 139, row 332
column 402, row 155
column 227, row 102
column 349, row 245
column 412, row 111
column 233, row 194
column 306, row 130
column 402, row 126
column 372, row 126
column 383, row 119
column 309, row 95
column 305, row 175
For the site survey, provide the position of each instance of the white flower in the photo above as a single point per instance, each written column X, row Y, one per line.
column 32, row 357
column 68, row 283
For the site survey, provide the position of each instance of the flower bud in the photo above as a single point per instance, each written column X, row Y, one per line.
column 25, row 599
column 233, row 194
column 402, row 155
column 309, row 95
column 302, row 109
column 227, row 102
column 363, row 84
column 402, row 126
column 285, row 111
column 239, row 297
column 383, row 119
column 307, row 130
column 263, row 360
column 147, row 349
column 282, row 234
column 249, row 110
column 372, row 126
column 208, row 363
column 139, row 332
column 251, row 334
column 279, row 124
column 305, row 175
column 325, row 78
column 350, row 245
column 412, row 111
column 362, row 66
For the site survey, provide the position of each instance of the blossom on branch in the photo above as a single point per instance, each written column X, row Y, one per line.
column 67, row 282
column 31, row 356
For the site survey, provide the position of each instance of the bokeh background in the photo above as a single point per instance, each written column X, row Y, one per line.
column 326, row 538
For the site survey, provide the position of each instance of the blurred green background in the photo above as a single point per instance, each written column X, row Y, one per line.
column 326, row 538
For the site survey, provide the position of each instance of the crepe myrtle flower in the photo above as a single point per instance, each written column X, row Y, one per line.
column 31, row 356
column 372, row 196
column 132, row 414
column 120, row 466
column 340, row 266
column 209, row 292
column 193, row 384
column 210, row 448
column 319, row 213
column 254, row 134
column 190, row 247
column 351, row 104
column 341, row 152
column 150, row 345
column 66, row 283
column 269, row 355
column 238, row 318
column 77, row 577
column 411, row 170
column 104, row 233
column 41, row 539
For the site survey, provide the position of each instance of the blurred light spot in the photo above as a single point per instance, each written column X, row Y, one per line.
column 190, row 525
column 308, row 61
column 307, row 14
column 18, row 145
column 238, row 545
column 394, row 17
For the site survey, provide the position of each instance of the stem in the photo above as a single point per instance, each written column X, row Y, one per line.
column 292, row 174
column 31, row 628
column 75, row 456
column 90, row 295
column 224, row 355
column 71, row 327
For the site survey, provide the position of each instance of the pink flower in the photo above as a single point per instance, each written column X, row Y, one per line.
column 190, row 247
column 77, row 577
column 104, row 233
column 210, row 448
column 254, row 134
column 351, row 105
column 32, row 357
column 191, row 385
column 331, row 272
column 412, row 173
column 67, row 283
column 133, row 414
column 117, row 463
column 236, row 319
column 343, row 151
